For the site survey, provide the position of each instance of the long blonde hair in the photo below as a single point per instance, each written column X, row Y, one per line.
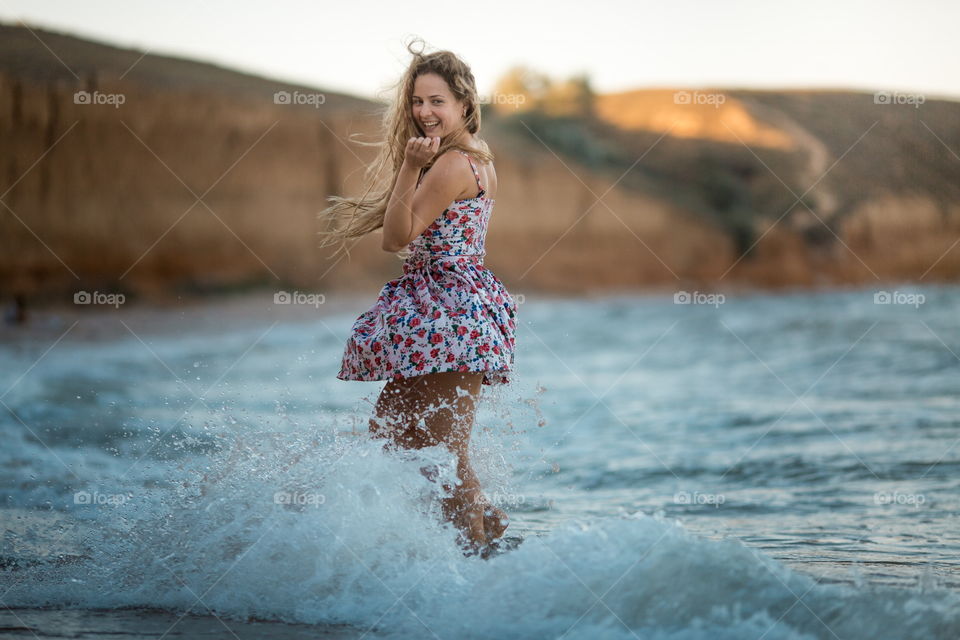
column 353, row 217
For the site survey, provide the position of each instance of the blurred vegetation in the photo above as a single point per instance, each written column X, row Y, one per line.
column 561, row 115
column 522, row 90
column 870, row 149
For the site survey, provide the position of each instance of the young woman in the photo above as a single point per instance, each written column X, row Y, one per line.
column 446, row 326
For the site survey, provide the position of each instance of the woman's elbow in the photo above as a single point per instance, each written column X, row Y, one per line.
column 391, row 247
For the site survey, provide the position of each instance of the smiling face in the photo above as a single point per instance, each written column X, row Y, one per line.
column 434, row 108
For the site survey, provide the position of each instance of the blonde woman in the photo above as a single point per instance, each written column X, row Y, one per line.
column 446, row 326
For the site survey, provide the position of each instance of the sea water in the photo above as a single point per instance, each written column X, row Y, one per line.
column 755, row 466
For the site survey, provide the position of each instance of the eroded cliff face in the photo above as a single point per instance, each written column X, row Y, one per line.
column 170, row 188
column 192, row 190
column 200, row 180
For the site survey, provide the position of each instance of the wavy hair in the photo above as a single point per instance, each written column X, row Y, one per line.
column 354, row 217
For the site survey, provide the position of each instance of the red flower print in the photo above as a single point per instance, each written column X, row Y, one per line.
column 450, row 314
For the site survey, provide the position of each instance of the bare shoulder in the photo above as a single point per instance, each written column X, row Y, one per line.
column 451, row 166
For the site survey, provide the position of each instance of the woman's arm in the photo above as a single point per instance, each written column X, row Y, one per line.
column 411, row 210
column 397, row 220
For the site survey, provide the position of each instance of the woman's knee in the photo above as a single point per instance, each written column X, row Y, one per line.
column 451, row 397
column 444, row 401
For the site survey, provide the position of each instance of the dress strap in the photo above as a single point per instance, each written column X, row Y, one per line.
column 476, row 174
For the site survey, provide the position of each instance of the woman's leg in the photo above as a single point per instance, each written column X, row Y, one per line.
column 448, row 419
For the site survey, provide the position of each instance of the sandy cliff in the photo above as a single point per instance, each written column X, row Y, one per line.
column 199, row 180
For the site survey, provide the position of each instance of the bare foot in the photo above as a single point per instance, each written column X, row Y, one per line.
column 495, row 522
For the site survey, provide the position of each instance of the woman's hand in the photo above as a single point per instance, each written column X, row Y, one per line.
column 420, row 150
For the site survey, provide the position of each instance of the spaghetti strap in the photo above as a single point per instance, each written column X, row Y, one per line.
column 476, row 174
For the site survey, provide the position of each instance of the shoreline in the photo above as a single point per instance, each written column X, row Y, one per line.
column 165, row 316
column 175, row 313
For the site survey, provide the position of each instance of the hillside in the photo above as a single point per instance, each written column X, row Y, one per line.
column 200, row 182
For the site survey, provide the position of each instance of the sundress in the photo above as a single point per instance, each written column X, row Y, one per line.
column 447, row 312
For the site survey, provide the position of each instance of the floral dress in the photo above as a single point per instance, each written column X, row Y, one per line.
column 447, row 312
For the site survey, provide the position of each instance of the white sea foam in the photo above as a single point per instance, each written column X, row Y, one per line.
column 356, row 538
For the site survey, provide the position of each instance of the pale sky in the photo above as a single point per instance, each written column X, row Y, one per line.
column 356, row 46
